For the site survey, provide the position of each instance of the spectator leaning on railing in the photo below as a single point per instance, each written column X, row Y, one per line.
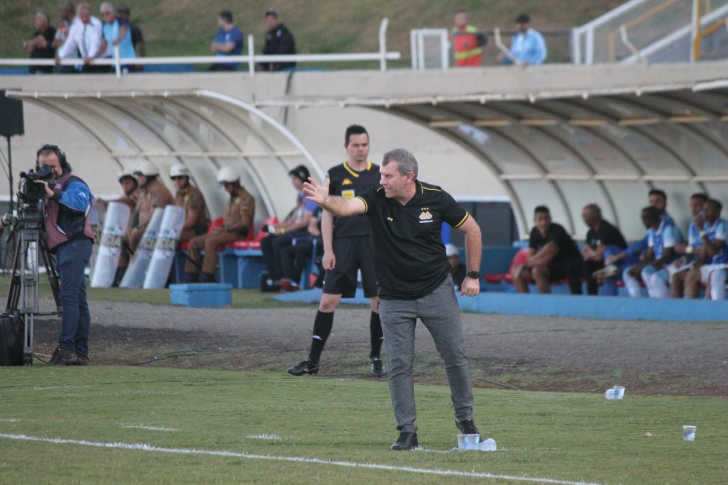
column 85, row 37
column 116, row 33
column 40, row 46
column 228, row 42
column 137, row 39
column 68, row 17
column 278, row 41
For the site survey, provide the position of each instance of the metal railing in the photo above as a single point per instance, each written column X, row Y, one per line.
column 652, row 27
column 251, row 59
column 433, row 48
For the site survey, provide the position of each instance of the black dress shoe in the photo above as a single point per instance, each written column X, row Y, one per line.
column 467, row 427
column 406, row 441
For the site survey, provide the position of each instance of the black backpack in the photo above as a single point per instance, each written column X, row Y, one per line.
column 11, row 339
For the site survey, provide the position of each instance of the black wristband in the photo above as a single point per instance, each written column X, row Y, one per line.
column 473, row 274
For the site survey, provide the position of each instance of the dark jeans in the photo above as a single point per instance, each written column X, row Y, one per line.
column 592, row 286
column 294, row 258
column 72, row 258
column 272, row 248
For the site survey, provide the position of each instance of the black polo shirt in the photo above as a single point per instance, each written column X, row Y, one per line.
column 607, row 235
column 568, row 250
column 409, row 256
column 346, row 182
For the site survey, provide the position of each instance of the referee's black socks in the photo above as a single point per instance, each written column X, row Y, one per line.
column 375, row 328
column 321, row 330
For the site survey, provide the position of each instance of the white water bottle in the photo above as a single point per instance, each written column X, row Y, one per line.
column 488, row 445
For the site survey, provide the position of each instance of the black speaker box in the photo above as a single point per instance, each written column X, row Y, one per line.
column 11, row 116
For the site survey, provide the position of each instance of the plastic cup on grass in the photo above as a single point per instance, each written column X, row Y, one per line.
column 468, row 442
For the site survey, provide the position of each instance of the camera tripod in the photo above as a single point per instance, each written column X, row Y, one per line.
column 23, row 294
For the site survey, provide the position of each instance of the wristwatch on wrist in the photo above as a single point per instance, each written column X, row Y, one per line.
column 473, row 274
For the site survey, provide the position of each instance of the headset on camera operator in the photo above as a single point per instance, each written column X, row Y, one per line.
column 66, row 208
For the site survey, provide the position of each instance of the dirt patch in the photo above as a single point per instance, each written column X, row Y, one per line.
column 529, row 353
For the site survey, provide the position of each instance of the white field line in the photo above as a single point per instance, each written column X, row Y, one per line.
column 9, row 420
column 147, row 427
column 57, row 387
column 265, row 437
column 348, row 464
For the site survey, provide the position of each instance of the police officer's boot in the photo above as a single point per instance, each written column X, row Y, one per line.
column 118, row 277
column 208, row 278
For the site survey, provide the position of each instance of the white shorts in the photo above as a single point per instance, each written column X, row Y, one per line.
column 706, row 269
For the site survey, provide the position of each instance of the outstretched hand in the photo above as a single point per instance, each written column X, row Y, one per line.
column 316, row 193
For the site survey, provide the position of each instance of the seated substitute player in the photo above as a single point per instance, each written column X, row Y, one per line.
column 296, row 256
column 710, row 267
column 152, row 195
column 294, row 226
column 601, row 236
column 661, row 240
column 413, row 276
column 191, row 200
column 347, row 250
column 690, row 251
column 238, row 221
column 552, row 256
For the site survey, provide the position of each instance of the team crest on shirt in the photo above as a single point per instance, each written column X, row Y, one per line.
column 347, row 194
column 347, row 182
column 425, row 217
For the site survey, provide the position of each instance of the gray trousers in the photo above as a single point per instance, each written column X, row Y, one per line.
column 440, row 313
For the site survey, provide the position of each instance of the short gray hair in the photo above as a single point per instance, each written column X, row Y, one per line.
column 108, row 5
column 406, row 162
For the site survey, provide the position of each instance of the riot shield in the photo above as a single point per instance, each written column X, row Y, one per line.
column 112, row 237
column 134, row 276
column 163, row 256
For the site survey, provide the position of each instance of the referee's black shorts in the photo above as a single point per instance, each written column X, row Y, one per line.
column 352, row 254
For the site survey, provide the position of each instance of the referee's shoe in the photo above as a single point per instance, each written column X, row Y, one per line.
column 305, row 367
column 378, row 369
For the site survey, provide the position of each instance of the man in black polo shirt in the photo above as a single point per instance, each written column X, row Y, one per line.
column 413, row 275
column 600, row 236
column 552, row 256
column 347, row 249
column 40, row 46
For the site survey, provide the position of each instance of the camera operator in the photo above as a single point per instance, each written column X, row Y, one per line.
column 68, row 230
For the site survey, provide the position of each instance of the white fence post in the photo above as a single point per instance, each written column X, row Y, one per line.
column 575, row 46
column 116, row 62
column 383, row 44
column 251, row 56
column 589, row 46
column 444, row 51
column 413, row 48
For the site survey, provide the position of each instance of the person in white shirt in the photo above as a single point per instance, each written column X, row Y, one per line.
column 68, row 19
column 85, row 38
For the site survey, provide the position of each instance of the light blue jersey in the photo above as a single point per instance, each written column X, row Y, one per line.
column 718, row 231
column 111, row 34
column 662, row 238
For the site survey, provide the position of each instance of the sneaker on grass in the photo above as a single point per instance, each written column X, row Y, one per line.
column 378, row 369
column 305, row 367
column 63, row 357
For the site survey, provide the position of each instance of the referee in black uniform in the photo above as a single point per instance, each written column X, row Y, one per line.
column 347, row 249
column 413, row 275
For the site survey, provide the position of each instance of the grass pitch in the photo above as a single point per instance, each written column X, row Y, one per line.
column 565, row 437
